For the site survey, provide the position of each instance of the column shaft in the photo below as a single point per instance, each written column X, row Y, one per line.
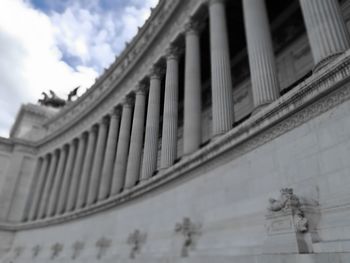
column 135, row 153
column 107, row 171
column 33, row 213
column 122, row 150
column 85, row 176
column 193, row 98
column 97, row 164
column 220, row 69
column 57, row 184
column 48, row 185
column 64, row 189
column 149, row 163
column 169, row 137
column 325, row 27
column 74, row 187
column 261, row 54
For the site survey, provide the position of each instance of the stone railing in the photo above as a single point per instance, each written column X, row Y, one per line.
column 322, row 91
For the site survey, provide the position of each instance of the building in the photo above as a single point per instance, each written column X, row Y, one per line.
column 221, row 133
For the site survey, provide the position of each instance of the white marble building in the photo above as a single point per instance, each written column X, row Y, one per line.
column 220, row 134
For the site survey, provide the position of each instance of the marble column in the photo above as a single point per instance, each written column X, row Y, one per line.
column 122, row 149
column 170, row 115
column 326, row 29
column 193, row 98
column 74, row 186
column 265, row 87
column 149, row 163
column 67, row 178
column 107, row 170
column 85, row 176
column 136, row 142
column 98, row 161
column 48, row 184
column 57, row 184
column 34, row 209
column 221, row 83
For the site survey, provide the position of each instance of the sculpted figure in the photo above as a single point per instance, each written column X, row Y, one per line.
column 288, row 201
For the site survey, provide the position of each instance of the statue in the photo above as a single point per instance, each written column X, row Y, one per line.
column 73, row 93
column 288, row 201
column 53, row 101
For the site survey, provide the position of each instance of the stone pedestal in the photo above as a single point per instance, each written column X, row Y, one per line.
column 284, row 236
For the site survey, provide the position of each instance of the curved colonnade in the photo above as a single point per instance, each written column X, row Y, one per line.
column 120, row 150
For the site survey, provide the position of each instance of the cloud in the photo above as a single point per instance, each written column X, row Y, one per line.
column 59, row 47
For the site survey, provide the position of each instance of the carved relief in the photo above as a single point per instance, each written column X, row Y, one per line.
column 56, row 250
column 77, row 248
column 36, row 250
column 190, row 231
column 18, row 251
column 136, row 240
column 102, row 245
column 289, row 202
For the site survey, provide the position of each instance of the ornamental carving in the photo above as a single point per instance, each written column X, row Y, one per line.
column 56, row 250
column 78, row 246
column 18, row 251
column 102, row 245
column 289, row 202
column 190, row 232
column 36, row 250
column 136, row 240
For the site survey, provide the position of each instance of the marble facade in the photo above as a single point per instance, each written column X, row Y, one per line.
column 130, row 172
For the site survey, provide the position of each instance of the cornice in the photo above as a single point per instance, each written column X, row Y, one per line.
column 316, row 95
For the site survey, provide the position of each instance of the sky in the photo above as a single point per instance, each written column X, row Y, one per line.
column 59, row 45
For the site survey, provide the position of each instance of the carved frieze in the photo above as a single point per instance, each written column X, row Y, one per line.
column 136, row 239
column 102, row 245
column 56, row 249
column 190, row 232
column 78, row 246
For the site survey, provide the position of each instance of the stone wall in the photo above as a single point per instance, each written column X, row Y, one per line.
column 226, row 199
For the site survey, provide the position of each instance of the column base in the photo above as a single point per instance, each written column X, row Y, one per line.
column 324, row 62
column 260, row 107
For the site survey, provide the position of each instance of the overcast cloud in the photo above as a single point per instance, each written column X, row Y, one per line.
column 58, row 45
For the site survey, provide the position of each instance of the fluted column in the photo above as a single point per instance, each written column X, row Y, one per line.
column 107, row 171
column 34, row 208
column 74, row 186
column 149, row 163
column 57, row 184
column 136, row 141
column 262, row 63
column 67, row 178
column 193, row 98
column 85, row 176
column 326, row 29
column 122, row 149
column 169, row 136
column 48, row 185
column 222, row 100
column 98, row 161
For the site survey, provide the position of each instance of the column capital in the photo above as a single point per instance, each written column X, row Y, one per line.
column 156, row 72
column 115, row 112
column 172, row 52
column 192, row 27
column 141, row 89
column 128, row 101
column 93, row 128
column 211, row 2
column 103, row 121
